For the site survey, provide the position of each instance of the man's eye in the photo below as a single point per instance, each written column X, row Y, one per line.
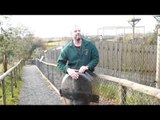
column 77, row 31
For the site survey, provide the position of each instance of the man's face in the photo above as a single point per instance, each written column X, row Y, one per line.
column 77, row 34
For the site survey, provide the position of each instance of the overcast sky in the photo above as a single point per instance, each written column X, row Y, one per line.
column 61, row 25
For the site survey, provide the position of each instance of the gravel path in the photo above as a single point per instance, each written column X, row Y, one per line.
column 36, row 90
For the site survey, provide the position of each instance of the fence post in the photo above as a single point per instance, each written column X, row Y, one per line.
column 12, row 85
column 48, row 71
column 158, row 61
column 123, row 94
column 15, row 78
column 3, row 92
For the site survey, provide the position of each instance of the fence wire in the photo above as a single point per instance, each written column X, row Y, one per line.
column 114, row 93
column 133, row 61
column 110, row 92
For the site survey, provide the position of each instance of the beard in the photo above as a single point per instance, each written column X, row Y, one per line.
column 78, row 37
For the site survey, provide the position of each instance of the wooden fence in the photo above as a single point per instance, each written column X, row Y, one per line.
column 111, row 90
column 135, row 62
column 127, row 57
column 14, row 74
column 139, row 59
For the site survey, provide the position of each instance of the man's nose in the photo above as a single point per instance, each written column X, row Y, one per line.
column 78, row 32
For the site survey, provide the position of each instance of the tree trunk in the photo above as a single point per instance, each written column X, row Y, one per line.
column 5, row 63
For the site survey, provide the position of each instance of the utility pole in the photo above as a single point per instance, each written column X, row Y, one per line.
column 133, row 22
column 158, row 53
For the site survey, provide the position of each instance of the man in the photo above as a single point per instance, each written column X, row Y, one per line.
column 78, row 55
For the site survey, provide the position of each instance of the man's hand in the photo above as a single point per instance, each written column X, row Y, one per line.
column 83, row 69
column 72, row 73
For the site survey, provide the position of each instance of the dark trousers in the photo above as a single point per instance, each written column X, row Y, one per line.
column 79, row 102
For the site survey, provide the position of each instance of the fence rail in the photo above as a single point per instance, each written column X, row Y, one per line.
column 14, row 73
column 132, row 61
column 112, row 90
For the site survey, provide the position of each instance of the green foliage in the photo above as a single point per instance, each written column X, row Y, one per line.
column 111, row 94
column 16, row 42
column 9, row 99
column 1, row 69
column 137, row 98
column 108, row 92
column 151, row 38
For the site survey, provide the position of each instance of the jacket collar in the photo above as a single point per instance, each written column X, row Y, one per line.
column 84, row 43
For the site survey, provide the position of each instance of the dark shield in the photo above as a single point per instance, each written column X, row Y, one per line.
column 80, row 89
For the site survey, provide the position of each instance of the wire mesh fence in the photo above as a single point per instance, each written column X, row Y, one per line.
column 133, row 61
column 133, row 65
column 111, row 90
column 124, row 92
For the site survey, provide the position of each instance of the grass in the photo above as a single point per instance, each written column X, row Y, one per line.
column 55, row 43
column 16, row 91
column 108, row 92
column 137, row 98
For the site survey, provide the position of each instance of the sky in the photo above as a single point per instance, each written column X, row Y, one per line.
column 47, row 26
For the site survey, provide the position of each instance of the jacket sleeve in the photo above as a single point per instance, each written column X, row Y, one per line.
column 94, row 58
column 61, row 62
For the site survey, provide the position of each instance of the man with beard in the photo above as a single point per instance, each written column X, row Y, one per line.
column 80, row 55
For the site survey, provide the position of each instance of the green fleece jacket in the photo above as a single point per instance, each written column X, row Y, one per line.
column 72, row 57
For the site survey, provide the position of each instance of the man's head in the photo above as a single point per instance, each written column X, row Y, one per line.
column 76, row 33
